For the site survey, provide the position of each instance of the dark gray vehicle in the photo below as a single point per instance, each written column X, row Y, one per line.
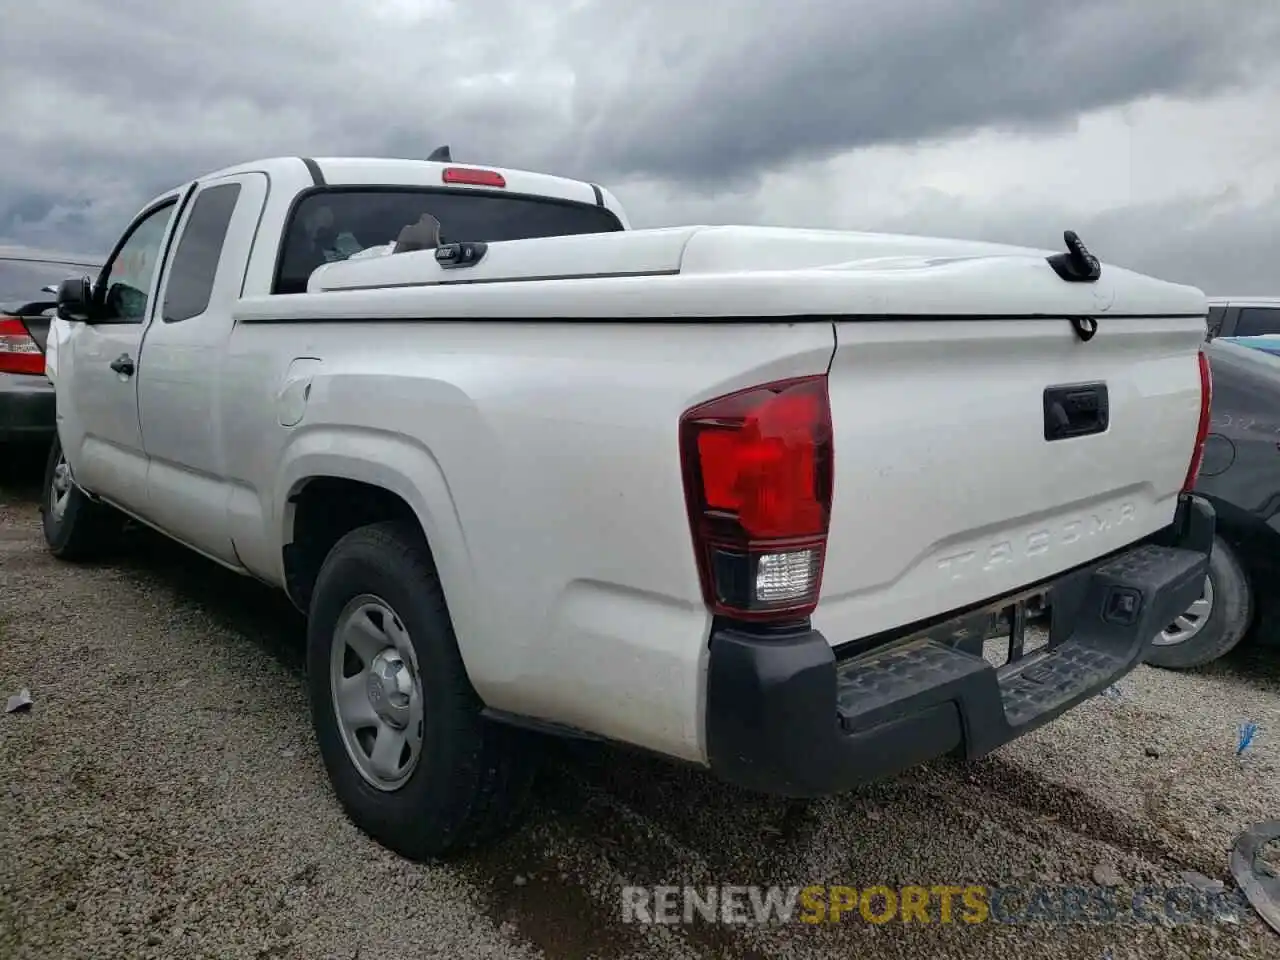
column 1243, row 316
column 1240, row 477
column 28, row 285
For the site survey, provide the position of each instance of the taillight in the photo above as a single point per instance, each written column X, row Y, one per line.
column 18, row 352
column 474, row 178
column 757, row 478
column 1202, row 431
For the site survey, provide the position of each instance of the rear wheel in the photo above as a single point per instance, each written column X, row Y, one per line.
column 75, row 527
column 1212, row 625
column 411, row 759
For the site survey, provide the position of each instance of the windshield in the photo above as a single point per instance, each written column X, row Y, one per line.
column 334, row 224
column 21, row 280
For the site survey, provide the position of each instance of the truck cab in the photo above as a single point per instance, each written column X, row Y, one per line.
column 259, row 229
column 1243, row 316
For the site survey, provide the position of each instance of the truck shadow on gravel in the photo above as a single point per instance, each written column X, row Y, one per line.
column 604, row 817
column 259, row 613
column 22, row 472
column 1254, row 663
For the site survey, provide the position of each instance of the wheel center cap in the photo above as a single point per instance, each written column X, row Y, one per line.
column 390, row 686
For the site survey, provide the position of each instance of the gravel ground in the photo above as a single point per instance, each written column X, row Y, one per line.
column 163, row 798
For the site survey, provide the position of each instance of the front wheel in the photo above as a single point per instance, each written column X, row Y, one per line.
column 75, row 527
column 411, row 759
column 1215, row 623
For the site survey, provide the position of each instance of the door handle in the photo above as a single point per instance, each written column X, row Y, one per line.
column 123, row 365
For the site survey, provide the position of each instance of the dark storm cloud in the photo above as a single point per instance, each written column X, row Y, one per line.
column 1225, row 245
column 134, row 96
column 717, row 89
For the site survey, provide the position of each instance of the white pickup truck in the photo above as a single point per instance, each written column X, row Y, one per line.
column 747, row 498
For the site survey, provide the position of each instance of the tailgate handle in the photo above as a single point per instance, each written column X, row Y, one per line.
column 1075, row 410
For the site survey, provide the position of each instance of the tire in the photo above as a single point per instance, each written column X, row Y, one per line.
column 75, row 527
column 1224, row 625
column 471, row 777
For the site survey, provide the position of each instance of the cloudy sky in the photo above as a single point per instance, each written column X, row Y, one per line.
column 1152, row 127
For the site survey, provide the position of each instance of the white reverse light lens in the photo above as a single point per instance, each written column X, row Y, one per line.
column 786, row 576
column 17, row 343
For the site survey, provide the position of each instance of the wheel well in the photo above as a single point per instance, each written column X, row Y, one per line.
column 325, row 510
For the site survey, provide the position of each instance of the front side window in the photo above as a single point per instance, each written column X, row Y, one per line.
column 333, row 224
column 129, row 275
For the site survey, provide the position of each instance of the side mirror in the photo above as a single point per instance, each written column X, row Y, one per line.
column 75, row 299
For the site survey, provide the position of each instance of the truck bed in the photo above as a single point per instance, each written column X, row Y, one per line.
column 946, row 490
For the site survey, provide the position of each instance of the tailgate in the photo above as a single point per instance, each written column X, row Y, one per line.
column 947, row 492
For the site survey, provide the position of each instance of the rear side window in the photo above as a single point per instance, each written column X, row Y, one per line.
column 1255, row 321
column 195, row 264
column 334, row 224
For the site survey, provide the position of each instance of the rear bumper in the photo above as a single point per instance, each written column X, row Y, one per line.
column 785, row 716
column 26, row 407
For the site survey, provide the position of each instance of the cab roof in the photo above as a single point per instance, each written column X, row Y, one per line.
column 1244, row 301
column 304, row 172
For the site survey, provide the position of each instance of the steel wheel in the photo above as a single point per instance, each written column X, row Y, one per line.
column 60, row 488
column 1191, row 622
column 377, row 692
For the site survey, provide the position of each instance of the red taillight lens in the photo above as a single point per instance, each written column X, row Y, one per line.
column 757, row 474
column 1202, row 431
column 474, row 178
column 18, row 352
